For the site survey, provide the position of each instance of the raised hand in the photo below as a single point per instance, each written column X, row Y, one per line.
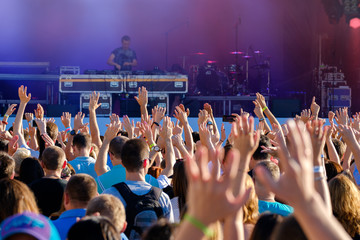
column 177, row 130
column 305, row 115
column 94, row 101
column 11, row 109
column 66, row 119
column 315, row 108
column 318, row 138
column 181, row 115
column 261, row 100
column 342, row 116
column 39, row 112
column 203, row 116
column 158, row 113
column 258, row 110
column 129, row 127
column 142, row 97
column 78, row 120
column 23, row 96
column 13, row 145
column 29, row 117
column 208, row 108
column 112, row 130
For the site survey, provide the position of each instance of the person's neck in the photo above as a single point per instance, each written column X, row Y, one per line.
column 72, row 206
column 267, row 197
column 56, row 174
column 83, row 152
column 135, row 176
column 116, row 162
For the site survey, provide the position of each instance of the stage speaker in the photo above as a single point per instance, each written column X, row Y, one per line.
column 285, row 107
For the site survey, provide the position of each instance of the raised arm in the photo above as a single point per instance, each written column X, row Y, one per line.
column 111, row 62
column 296, row 186
column 260, row 114
column 24, row 99
column 8, row 113
column 111, row 132
column 261, row 100
column 166, row 134
column 315, row 109
column 208, row 108
column 94, row 128
column 183, row 118
column 142, row 100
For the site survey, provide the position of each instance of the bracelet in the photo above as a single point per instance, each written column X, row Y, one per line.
column 5, row 115
column 261, row 119
column 320, row 178
column 157, row 124
column 199, row 225
column 151, row 146
column 319, row 169
column 264, row 108
column 4, row 122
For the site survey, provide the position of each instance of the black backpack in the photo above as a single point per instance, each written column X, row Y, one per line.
column 141, row 210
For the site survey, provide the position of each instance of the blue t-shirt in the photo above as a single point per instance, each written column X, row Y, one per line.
column 84, row 165
column 66, row 220
column 118, row 174
column 275, row 207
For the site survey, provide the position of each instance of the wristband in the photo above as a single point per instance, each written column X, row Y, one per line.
column 4, row 122
column 264, row 108
column 261, row 119
column 151, row 146
column 7, row 116
column 319, row 169
column 157, row 124
column 320, row 178
column 199, row 225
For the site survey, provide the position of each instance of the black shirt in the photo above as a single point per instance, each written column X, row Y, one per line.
column 49, row 194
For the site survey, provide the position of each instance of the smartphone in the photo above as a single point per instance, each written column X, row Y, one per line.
column 228, row 118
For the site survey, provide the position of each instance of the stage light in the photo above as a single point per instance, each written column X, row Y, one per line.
column 354, row 23
column 351, row 11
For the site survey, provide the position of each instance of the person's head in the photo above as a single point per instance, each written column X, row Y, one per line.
column 135, row 155
column 80, row 189
column 345, row 200
column 52, row 131
column 115, row 147
column 19, row 156
column 53, row 158
column 93, row 228
column 289, row 228
column 4, row 145
column 30, row 170
column 125, row 41
column 273, row 171
column 16, row 197
column 339, row 147
column 109, row 206
column 160, row 230
column 7, row 166
column 180, row 184
column 28, row 226
column 67, row 172
column 251, row 208
column 332, row 169
column 265, row 225
column 81, row 142
column 258, row 155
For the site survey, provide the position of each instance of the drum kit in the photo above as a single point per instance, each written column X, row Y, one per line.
column 249, row 74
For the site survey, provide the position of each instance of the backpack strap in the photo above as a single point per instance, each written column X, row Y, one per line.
column 155, row 192
column 125, row 192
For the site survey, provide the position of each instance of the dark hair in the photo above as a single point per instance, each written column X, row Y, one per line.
column 7, row 165
column 30, row 170
column 134, row 152
column 116, row 145
column 93, row 228
column 52, row 130
column 4, row 145
column 332, row 169
column 160, row 230
column 81, row 188
column 53, row 158
column 289, row 227
column 82, row 140
column 265, row 225
column 195, row 136
column 125, row 38
column 180, row 184
column 258, row 155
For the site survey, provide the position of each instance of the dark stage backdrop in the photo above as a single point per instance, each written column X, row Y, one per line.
column 84, row 32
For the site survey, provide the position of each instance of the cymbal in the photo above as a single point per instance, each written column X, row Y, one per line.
column 236, row 53
column 247, row 57
column 258, row 52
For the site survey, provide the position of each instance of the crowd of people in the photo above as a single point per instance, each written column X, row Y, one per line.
column 156, row 179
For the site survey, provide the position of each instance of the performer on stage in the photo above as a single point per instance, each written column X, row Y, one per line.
column 123, row 58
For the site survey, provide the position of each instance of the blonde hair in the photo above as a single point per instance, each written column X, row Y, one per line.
column 251, row 208
column 345, row 200
column 19, row 156
column 108, row 206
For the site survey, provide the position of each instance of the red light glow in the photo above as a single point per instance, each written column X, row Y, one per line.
column 355, row 23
